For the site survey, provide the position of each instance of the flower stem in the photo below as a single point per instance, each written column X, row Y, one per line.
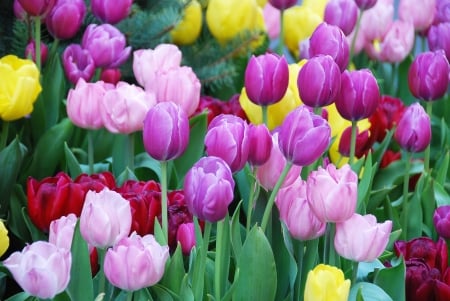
column 429, row 108
column 37, row 41
column 329, row 252
column 280, row 47
column 271, row 200
column 4, row 135
column 130, row 296
column 358, row 24
column 101, row 280
column 164, row 214
column 199, row 277
column 353, row 142
column 90, row 137
column 218, row 261
column 265, row 119
column 300, row 254
column 405, row 204
column 355, row 265
column 130, row 142
column 254, row 192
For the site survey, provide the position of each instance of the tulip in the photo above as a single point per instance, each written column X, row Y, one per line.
column 413, row 132
column 228, row 138
column 266, row 79
column 282, row 4
column 110, row 76
column 295, row 212
column 420, row 13
column 436, row 40
column 442, row 13
column 41, row 269
column 4, row 239
column 272, row 20
column 84, row 103
column 332, row 193
column 135, row 262
column 65, row 19
column 389, row 156
column 30, row 51
column 363, row 143
column 106, row 45
column 78, row 63
column 186, row 237
column 96, row 182
column 441, row 221
column 19, row 89
column 188, row 30
column 386, row 116
column 209, row 189
column 319, row 81
column 303, row 136
column 326, row 282
column 361, row 238
column 166, row 140
column 105, row 218
column 342, row 13
column 329, row 39
column 359, row 95
column 260, row 144
column 124, row 108
column 365, row 4
column 61, row 231
column 19, row 12
column 111, row 12
column 37, row 8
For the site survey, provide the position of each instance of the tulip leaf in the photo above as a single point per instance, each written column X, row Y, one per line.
column 368, row 292
column 236, row 227
column 393, row 174
column 392, row 280
column 186, row 293
column 257, row 271
column 127, row 174
column 284, row 257
column 143, row 160
column 365, row 184
column 72, row 163
column 222, row 255
column 443, row 169
column 20, row 297
column 441, row 196
column 174, row 273
column 16, row 222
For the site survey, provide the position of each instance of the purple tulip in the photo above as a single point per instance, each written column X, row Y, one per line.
column 209, row 189
column 37, row 8
column 303, row 136
column 135, row 262
column 439, row 37
column 329, row 39
column 228, row 138
column 260, row 141
column 442, row 13
column 266, row 79
column 441, row 221
column 78, row 63
column 41, row 269
column 282, row 4
column 319, row 81
column 359, row 95
column 19, row 12
column 61, row 231
column 365, row 4
column 109, row 11
column 413, row 131
column 342, row 13
column 106, row 45
column 65, row 19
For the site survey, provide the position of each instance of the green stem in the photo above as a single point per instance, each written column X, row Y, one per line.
column 37, row 41
column 329, row 252
column 355, row 265
column 4, row 135
column 90, row 137
column 298, row 286
column 280, row 47
column 218, row 261
column 309, row 262
column 271, row 200
column 200, row 276
column 318, row 111
column 352, row 46
column 405, row 204
column 353, row 142
column 265, row 118
column 130, row 142
column 130, row 296
column 101, row 280
column 164, row 213
column 254, row 192
column 429, row 108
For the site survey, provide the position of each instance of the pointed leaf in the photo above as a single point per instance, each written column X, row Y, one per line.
column 73, row 166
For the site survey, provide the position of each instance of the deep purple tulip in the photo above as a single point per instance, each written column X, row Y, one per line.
column 208, row 189
column 166, row 131
column 329, row 39
column 37, row 8
column 303, row 136
column 342, row 13
column 65, row 19
column 439, row 37
column 319, row 81
column 282, row 4
column 266, row 79
column 413, row 131
column 78, row 63
column 359, row 95
column 260, row 141
column 428, row 75
column 442, row 13
column 365, row 4
column 441, row 221
column 111, row 11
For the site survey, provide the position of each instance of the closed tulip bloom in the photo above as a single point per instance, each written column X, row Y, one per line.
column 186, row 237
column 4, row 238
column 413, row 131
column 106, row 45
column 111, row 12
column 125, row 107
column 319, row 81
column 105, row 218
column 359, row 95
column 260, row 142
column 84, row 102
column 442, row 13
column 329, row 39
column 111, row 76
column 326, row 283
column 209, row 189
column 295, row 212
column 420, row 13
column 37, row 8
column 65, row 19
column 228, row 138
column 266, row 79
column 438, row 37
column 282, row 4
column 61, row 231
column 19, row 12
column 30, row 51
column 303, row 136
column 189, row 28
column 361, row 238
column 135, row 262
column 272, row 20
column 365, row 4
column 441, row 221
column 342, row 13
column 78, row 63
column 332, row 193
column 166, row 131
column 376, row 21
column 19, row 87
column 41, row 269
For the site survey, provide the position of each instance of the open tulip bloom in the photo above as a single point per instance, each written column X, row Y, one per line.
column 224, row 150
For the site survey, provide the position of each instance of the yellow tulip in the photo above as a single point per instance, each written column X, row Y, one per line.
column 261, row 3
column 326, row 283
column 299, row 23
column 19, row 87
column 188, row 30
column 317, row 6
column 278, row 111
column 4, row 239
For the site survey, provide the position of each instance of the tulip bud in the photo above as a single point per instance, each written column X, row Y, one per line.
column 303, row 136
column 420, row 13
column 78, row 63
column 272, row 20
column 413, row 131
column 166, row 131
column 442, row 13
column 359, row 95
column 441, row 221
column 436, row 40
column 4, row 239
column 209, row 189
column 326, row 282
column 342, row 13
column 188, row 30
column 61, row 231
column 319, row 81
column 186, row 237
column 282, row 4
column 30, row 51
column 260, row 142
column 66, row 18
column 111, row 12
column 19, row 12
column 365, row 4
column 266, row 79
column 37, row 8
column 110, row 76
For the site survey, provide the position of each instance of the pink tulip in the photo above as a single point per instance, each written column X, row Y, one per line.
column 41, row 269
column 260, row 141
column 105, row 218
column 332, row 193
column 419, row 12
column 78, row 63
column 361, row 238
column 135, row 262
column 272, row 20
column 186, row 237
column 111, row 12
column 61, row 231
column 376, row 21
column 65, row 19
column 125, row 107
column 295, row 212
column 30, row 51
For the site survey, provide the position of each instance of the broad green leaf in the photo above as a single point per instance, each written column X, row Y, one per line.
column 174, row 273
column 368, row 292
column 161, row 294
column 235, row 232
column 186, row 293
column 222, row 256
column 441, row 195
column 365, row 185
column 16, row 222
column 54, row 90
column 393, row 174
column 73, row 166
column 143, row 160
column 392, row 280
column 20, row 297
column 442, row 170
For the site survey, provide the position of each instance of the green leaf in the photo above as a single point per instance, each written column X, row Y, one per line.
column 443, row 169
column 186, row 293
column 257, row 271
column 20, row 297
column 174, row 273
column 367, row 291
column 143, row 160
column 16, row 222
column 223, row 252
column 161, row 294
column 365, row 184
column 72, row 163
column 127, row 174
column 441, row 196
column 393, row 174
column 392, row 280
column 236, row 238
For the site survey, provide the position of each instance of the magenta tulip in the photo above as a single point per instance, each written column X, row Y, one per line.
column 365, row 4
column 61, row 231
column 342, row 13
column 37, row 8
column 282, row 4
column 442, row 13
column 166, row 131
column 78, row 63
column 30, row 51
column 413, row 131
column 65, row 19
column 441, row 221
column 260, row 144
column 111, row 12
column 186, row 237
column 438, row 37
